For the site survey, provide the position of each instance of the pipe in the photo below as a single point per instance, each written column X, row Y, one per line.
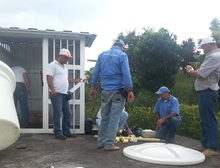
column 9, row 124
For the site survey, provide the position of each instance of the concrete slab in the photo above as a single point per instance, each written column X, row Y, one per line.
column 43, row 151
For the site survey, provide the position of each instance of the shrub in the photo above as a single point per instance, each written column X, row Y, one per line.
column 142, row 117
column 190, row 121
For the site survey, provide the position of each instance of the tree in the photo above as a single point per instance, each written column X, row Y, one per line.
column 215, row 23
column 153, row 58
column 187, row 53
column 215, row 28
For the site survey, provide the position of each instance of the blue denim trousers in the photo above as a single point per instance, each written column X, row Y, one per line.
column 207, row 103
column 111, row 108
column 167, row 131
column 122, row 120
column 20, row 95
column 61, row 105
column 121, row 123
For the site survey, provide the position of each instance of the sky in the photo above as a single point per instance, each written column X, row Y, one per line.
column 108, row 18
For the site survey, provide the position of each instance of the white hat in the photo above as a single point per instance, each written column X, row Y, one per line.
column 65, row 52
column 206, row 40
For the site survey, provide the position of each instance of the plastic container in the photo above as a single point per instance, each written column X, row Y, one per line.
column 148, row 133
column 9, row 124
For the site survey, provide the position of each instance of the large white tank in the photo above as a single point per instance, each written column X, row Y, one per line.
column 9, row 124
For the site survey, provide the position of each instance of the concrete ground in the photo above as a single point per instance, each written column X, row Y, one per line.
column 43, row 151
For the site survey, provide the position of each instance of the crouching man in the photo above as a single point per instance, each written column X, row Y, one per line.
column 167, row 115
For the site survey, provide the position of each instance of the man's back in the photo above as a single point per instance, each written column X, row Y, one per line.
column 19, row 71
column 113, row 69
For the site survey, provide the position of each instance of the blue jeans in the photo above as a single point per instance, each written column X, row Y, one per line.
column 60, row 104
column 167, row 131
column 207, row 102
column 121, row 123
column 111, row 108
column 20, row 95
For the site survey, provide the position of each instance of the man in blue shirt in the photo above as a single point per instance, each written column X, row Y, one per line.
column 113, row 70
column 167, row 115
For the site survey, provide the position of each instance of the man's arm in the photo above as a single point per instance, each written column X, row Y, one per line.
column 128, row 129
column 50, row 84
column 27, row 82
column 161, row 120
column 192, row 72
column 71, row 80
column 92, row 93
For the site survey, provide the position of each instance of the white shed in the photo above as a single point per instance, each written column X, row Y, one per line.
column 34, row 49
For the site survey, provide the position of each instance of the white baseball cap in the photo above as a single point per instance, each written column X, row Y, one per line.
column 206, row 40
column 65, row 52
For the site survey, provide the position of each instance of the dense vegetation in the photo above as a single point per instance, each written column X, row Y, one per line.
column 141, row 110
column 155, row 60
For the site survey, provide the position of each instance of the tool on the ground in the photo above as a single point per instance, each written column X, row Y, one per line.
column 133, row 139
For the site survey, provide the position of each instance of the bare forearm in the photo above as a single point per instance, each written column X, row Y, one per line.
column 157, row 116
column 168, row 116
column 26, row 79
column 50, row 83
column 71, row 80
column 190, row 70
column 195, row 74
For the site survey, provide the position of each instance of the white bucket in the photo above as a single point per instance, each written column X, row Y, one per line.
column 9, row 124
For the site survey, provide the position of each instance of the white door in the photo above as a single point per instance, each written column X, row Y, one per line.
column 50, row 50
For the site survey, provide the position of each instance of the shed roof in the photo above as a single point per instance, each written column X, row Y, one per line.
column 14, row 32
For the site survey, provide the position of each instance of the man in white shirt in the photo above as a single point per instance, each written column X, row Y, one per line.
column 20, row 94
column 58, row 82
column 207, row 85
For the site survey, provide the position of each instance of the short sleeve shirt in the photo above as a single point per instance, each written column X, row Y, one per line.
column 210, row 71
column 59, row 73
column 165, row 107
column 19, row 73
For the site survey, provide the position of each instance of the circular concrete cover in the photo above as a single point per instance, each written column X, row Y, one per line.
column 166, row 154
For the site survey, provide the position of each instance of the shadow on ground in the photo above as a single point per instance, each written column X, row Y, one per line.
column 43, row 151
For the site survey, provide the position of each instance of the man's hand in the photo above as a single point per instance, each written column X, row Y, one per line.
column 159, row 122
column 129, row 131
column 53, row 93
column 92, row 92
column 189, row 68
column 130, row 96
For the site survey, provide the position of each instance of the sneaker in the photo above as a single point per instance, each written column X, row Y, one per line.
column 60, row 137
column 209, row 152
column 112, row 148
column 71, row 136
column 199, row 147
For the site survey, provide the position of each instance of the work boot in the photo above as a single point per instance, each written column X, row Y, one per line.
column 210, row 152
column 112, row 148
column 199, row 147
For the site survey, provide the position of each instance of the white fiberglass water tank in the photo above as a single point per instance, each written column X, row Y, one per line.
column 9, row 124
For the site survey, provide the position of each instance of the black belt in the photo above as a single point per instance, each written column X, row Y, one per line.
column 205, row 90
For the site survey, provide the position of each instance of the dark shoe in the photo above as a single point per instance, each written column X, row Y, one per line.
column 100, row 146
column 60, row 137
column 112, row 148
column 71, row 136
column 163, row 140
column 172, row 141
